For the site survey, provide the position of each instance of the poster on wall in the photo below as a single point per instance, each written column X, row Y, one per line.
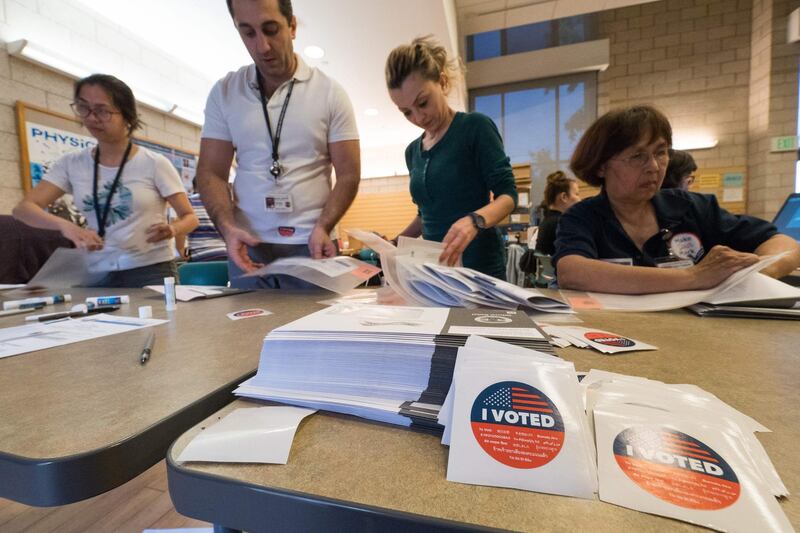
column 46, row 144
column 184, row 162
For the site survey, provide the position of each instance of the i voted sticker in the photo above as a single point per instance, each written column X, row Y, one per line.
column 686, row 246
column 248, row 313
column 517, row 425
column 608, row 339
column 676, row 468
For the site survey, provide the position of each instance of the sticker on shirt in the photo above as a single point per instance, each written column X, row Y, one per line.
column 517, row 425
column 286, row 231
column 619, row 261
column 676, row 468
column 279, row 203
column 686, row 246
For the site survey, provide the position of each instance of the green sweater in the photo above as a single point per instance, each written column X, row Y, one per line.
column 455, row 177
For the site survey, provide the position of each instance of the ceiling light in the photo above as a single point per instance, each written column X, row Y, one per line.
column 371, row 112
column 48, row 58
column 689, row 141
column 314, row 52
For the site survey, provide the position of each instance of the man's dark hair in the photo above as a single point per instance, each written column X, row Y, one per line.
column 121, row 96
column 680, row 164
column 285, row 6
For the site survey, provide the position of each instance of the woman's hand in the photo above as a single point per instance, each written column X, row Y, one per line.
column 461, row 233
column 718, row 264
column 159, row 232
column 84, row 239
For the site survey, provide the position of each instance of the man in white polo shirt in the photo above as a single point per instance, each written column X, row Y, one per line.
column 288, row 125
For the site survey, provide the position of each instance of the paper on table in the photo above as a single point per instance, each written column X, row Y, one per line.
column 675, row 300
column 42, row 335
column 186, row 293
column 69, row 267
column 250, row 435
column 338, row 274
column 10, row 286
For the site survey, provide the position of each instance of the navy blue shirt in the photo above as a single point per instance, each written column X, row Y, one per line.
column 691, row 224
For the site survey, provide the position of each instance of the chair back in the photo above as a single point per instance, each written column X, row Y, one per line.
column 204, row 273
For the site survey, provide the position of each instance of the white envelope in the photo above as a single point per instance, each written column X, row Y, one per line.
column 250, row 435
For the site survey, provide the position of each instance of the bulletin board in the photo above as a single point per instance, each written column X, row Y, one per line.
column 45, row 136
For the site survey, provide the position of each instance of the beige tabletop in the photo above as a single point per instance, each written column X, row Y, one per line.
column 82, row 399
column 346, row 463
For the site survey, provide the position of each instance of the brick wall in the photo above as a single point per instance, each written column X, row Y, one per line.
column 22, row 80
column 691, row 58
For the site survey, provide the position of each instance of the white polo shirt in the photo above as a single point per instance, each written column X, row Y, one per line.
column 319, row 112
column 138, row 202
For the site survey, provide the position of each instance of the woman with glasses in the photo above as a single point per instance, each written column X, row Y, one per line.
column 122, row 189
column 606, row 243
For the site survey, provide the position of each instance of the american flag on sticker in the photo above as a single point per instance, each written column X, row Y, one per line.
column 519, row 399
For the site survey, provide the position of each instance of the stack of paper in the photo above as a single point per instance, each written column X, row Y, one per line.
column 413, row 270
column 187, row 293
column 515, row 418
column 679, row 451
column 393, row 364
column 602, row 341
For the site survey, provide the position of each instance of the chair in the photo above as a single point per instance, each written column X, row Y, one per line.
column 545, row 274
column 205, row 273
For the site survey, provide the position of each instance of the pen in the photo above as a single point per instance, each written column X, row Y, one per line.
column 31, row 302
column 70, row 314
column 148, row 348
column 21, row 310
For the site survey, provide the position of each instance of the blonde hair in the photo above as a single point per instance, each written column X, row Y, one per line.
column 427, row 58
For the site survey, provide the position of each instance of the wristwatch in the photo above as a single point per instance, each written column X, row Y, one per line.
column 477, row 220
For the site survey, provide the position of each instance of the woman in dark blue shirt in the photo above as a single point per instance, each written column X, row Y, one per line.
column 603, row 242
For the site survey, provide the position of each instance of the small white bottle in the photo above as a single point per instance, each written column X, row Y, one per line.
column 170, row 298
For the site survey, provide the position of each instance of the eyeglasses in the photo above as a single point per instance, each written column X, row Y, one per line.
column 83, row 111
column 641, row 159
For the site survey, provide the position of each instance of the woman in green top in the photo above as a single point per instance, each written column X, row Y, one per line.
column 456, row 166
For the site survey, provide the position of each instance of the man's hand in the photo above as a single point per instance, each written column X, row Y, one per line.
column 461, row 233
column 84, row 239
column 718, row 264
column 237, row 241
column 160, row 232
column 320, row 244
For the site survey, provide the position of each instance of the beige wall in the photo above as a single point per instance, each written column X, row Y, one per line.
column 22, row 80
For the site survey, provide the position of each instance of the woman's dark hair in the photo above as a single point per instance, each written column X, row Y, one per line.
column 680, row 164
column 121, row 96
column 285, row 7
column 614, row 132
column 557, row 182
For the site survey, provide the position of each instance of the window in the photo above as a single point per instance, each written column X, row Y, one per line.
column 541, row 121
column 530, row 37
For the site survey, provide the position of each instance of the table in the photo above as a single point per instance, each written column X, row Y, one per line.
column 346, row 474
column 81, row 419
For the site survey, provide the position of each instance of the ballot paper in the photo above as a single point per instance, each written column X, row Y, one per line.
column 725, row 292
column 688, row 469
column 388, row 363
column 518, row 421
column 249, row 435
column 372, row 241
column 42, row 335
column 602, row 341
column 70, row 267
column 338, row 274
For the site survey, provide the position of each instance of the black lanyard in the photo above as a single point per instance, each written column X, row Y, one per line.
column 275, row 168
column 101, row 220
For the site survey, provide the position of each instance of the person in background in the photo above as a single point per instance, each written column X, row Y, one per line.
column 680, row 171
column 289, row 125
column 122, row 189
column 461, row 178
column 560, row 193
column 607, row 243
